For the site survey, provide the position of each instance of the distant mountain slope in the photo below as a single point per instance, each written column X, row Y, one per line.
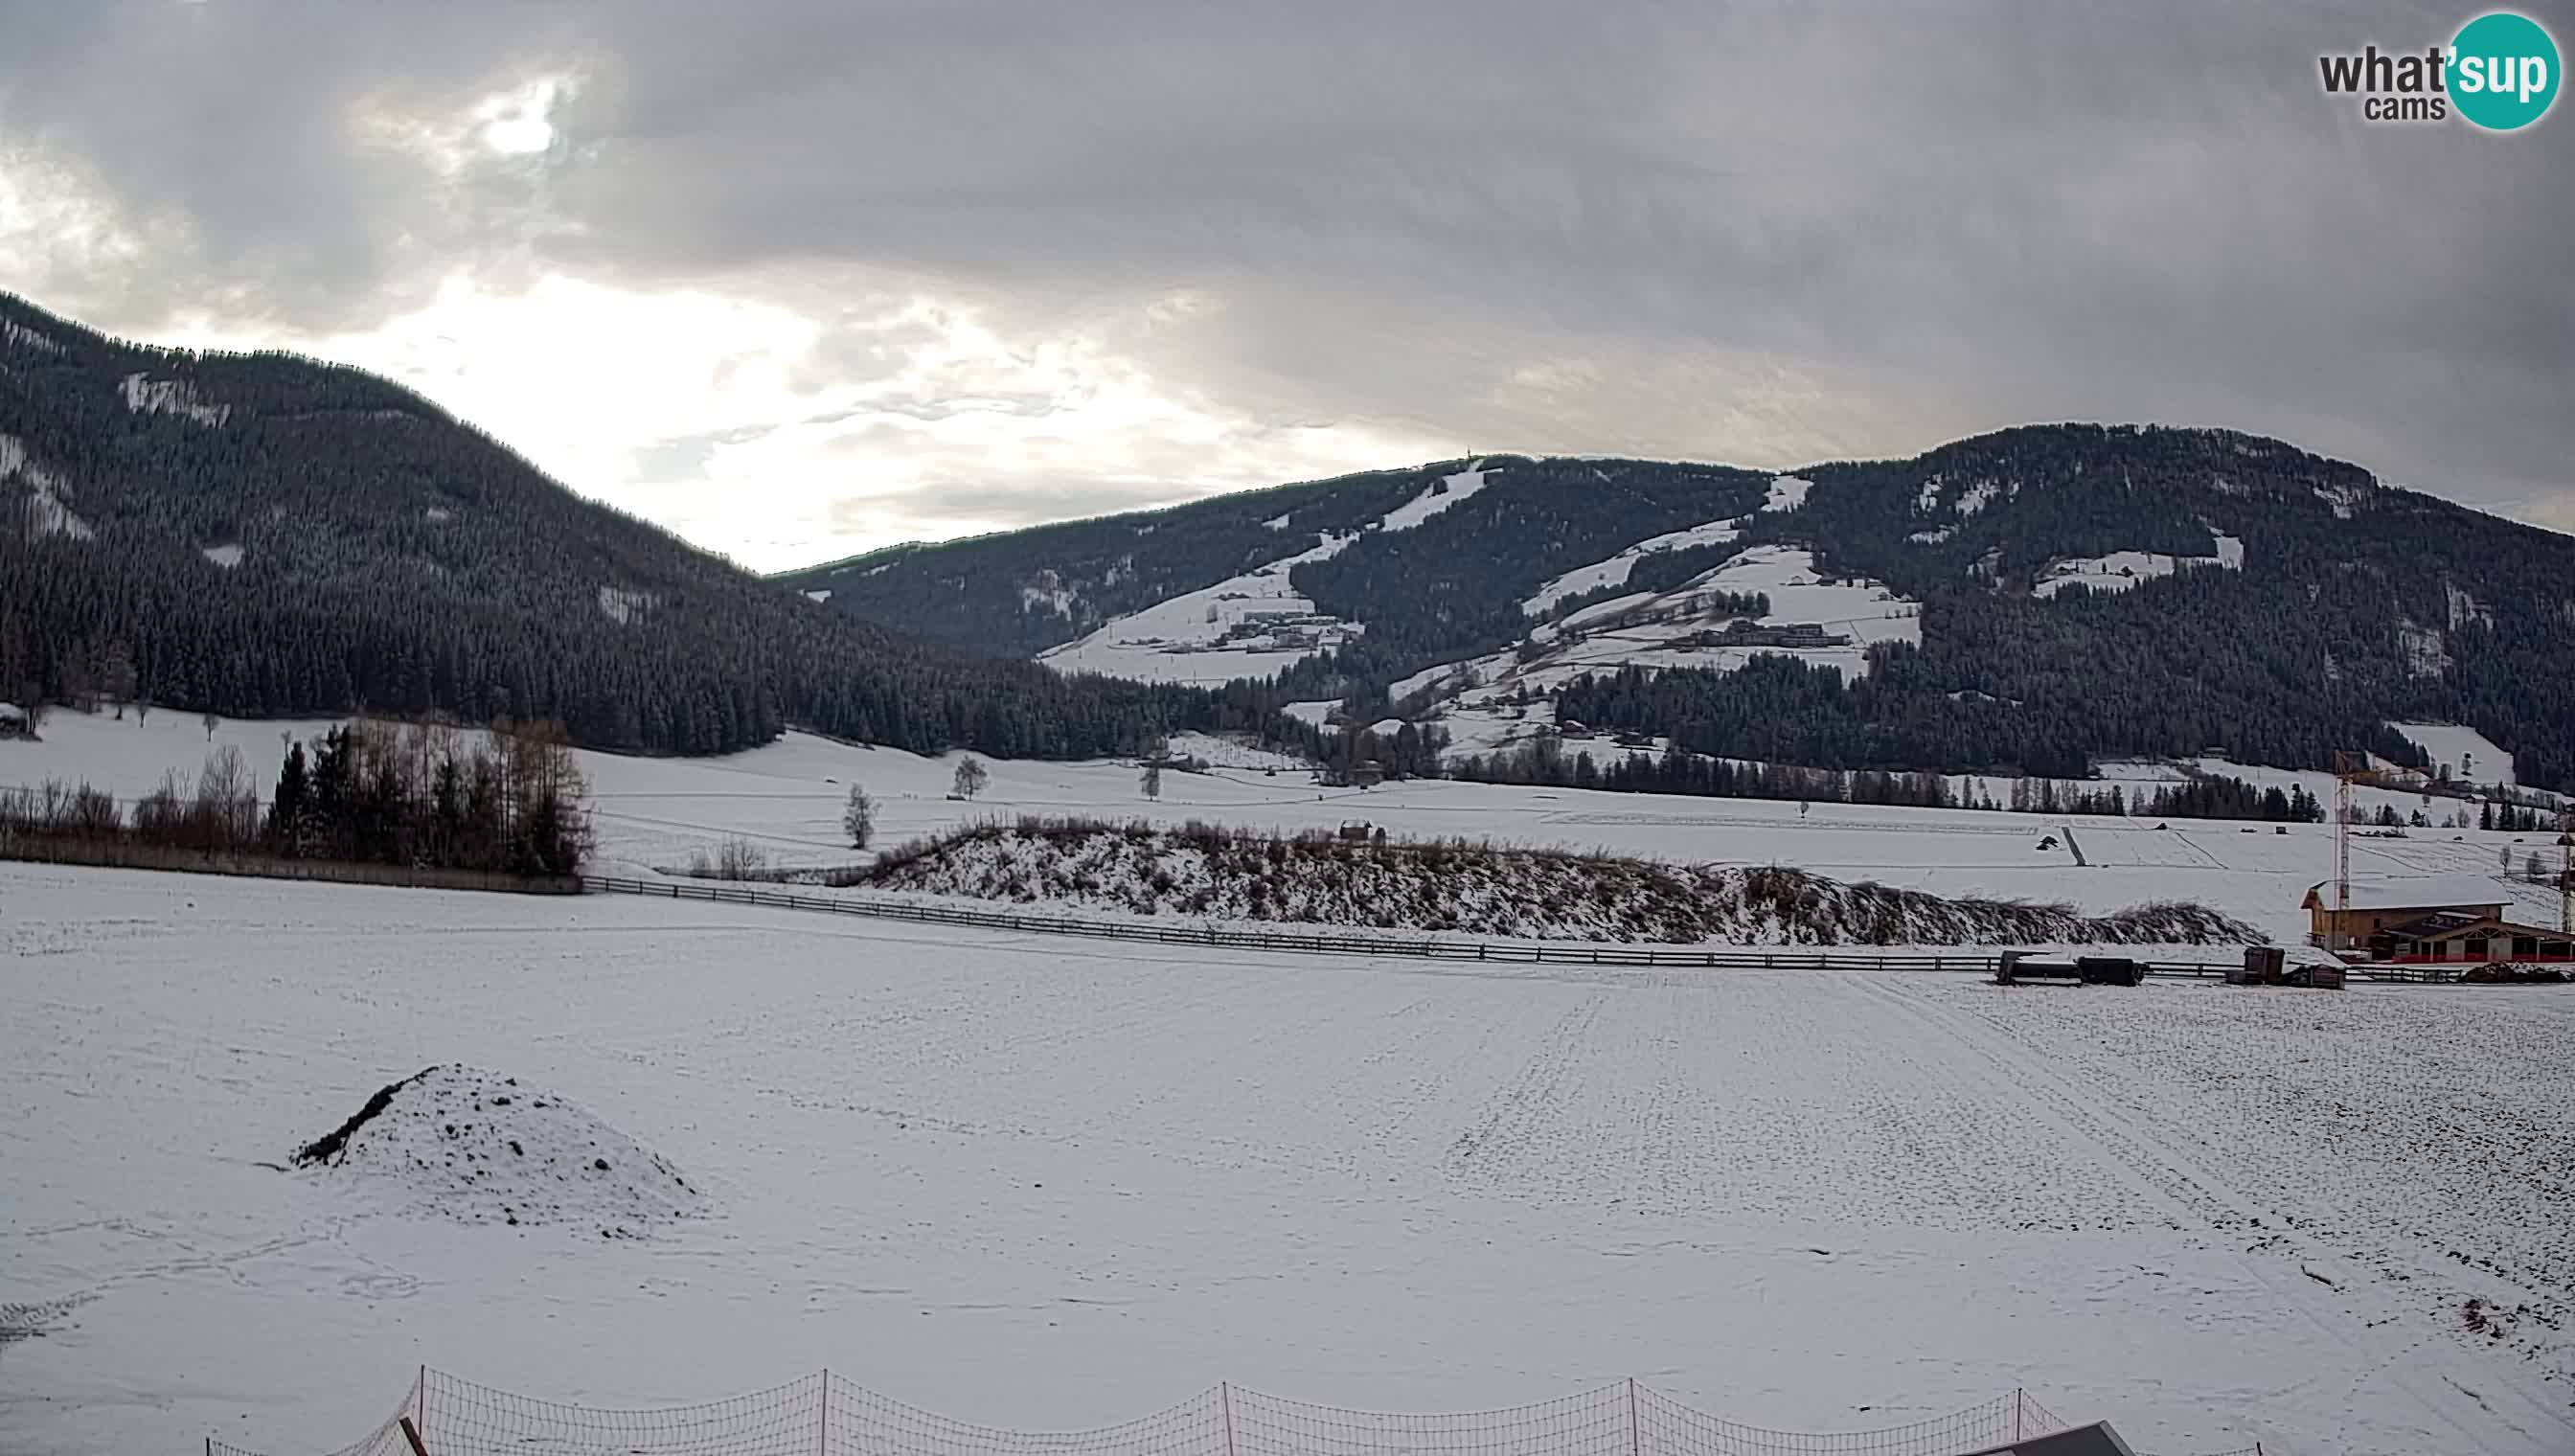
column 266, row 535
column 2035, row 599
column 1431, row 561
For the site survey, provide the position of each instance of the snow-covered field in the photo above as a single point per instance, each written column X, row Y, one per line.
column 785, row 798
column 1052, row 1185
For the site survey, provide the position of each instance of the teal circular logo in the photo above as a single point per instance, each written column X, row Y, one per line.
column 2503, row 71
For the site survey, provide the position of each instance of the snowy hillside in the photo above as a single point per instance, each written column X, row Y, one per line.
column 1614, row 571
column 2062, row 594
column 1248, row 625
column 1256, row 623
column 1320, row 879
column 1500, row 698
column 2121, row 571
column 2462, row 753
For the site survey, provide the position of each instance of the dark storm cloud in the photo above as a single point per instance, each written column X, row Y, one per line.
column 1763, row 233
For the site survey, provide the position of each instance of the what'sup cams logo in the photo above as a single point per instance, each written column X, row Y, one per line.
column 2498, row 73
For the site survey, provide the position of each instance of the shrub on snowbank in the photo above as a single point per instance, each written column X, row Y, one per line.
column 1478, row 888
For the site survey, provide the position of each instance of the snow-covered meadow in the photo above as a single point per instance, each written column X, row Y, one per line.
column 787, row 797
column 1047, row 1184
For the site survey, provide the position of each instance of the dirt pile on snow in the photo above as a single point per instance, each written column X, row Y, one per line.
column 478, row 1148
column 1319, row 878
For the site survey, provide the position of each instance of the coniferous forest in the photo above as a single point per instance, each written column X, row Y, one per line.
column 271, row 536
column 265, row 534
column 2349, row 604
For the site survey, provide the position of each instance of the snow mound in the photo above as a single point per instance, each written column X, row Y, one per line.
column 473, row 1146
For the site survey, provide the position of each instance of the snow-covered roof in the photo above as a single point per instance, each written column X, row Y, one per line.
column 2427, row 892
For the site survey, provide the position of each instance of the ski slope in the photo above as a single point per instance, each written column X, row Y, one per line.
column 1047, row 1185
column 1248, row 625
column 1613, row 570
column 1211, row 636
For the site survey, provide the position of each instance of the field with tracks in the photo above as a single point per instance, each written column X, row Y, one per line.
column 1048, row 1183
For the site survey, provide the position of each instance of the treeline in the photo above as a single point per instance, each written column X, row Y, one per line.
column 511, row 800
column 1409, row 751
column 2054, row 723
column 1733, row 603
column 2512, row 819
column 1545, row 761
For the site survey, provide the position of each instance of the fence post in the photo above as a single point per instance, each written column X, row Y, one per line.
column 1225, row 1402
column 2018, row 1398
column 1634, row 1440
column 823, row 1429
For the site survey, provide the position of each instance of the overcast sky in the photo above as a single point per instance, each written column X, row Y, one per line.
column 801, row 279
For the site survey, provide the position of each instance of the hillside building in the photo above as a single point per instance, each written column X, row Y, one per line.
column 1741, row 633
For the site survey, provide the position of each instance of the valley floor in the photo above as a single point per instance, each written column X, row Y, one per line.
column 786, row 799
column 1050, row 1185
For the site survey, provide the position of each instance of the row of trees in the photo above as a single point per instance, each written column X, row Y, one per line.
column 1544, row 760
column 509, row 799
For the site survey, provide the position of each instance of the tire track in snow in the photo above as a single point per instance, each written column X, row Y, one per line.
column 1514, row 1115
column 2283, row 1259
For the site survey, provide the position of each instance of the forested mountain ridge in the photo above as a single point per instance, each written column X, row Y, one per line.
column 269, row 535
column 1420, row 595
column 2031, row 599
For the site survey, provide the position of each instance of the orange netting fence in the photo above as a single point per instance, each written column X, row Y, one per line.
column 824, row 1415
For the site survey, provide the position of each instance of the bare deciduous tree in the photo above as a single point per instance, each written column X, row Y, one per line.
column 732, row 860
column 971, row 775
column 859, row 817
